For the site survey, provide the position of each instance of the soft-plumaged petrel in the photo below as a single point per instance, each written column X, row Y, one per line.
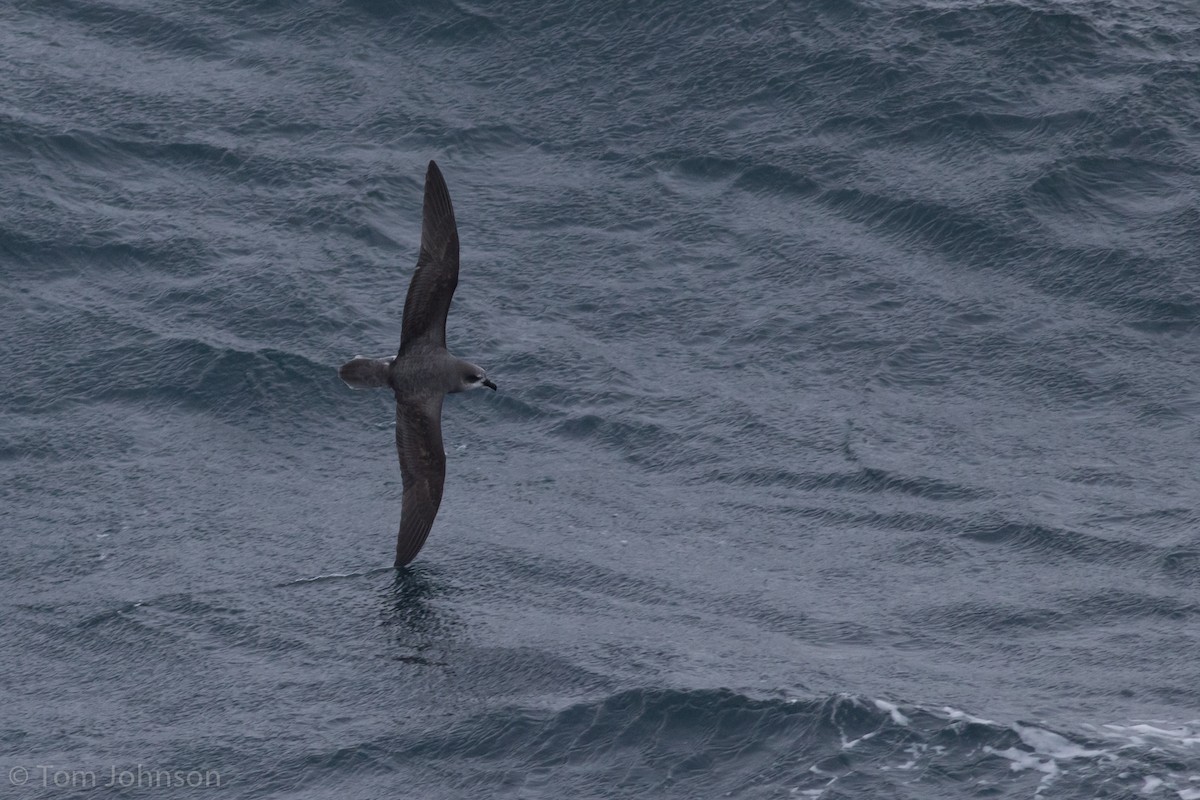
column 423, row 371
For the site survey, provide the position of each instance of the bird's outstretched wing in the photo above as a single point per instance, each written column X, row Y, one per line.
column 434, row 282
column 422, row 468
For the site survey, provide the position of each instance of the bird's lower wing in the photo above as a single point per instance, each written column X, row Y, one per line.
column 423, row 469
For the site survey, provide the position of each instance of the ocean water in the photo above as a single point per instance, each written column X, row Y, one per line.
column 847, row 435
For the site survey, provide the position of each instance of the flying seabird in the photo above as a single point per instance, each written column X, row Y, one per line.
column 423, row 372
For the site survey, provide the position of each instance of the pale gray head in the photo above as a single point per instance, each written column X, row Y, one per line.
column 471, row 376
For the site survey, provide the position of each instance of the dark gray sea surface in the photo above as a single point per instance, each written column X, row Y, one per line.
column 847, row 436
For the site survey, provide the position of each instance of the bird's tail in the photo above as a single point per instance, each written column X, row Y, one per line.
column 366, row 373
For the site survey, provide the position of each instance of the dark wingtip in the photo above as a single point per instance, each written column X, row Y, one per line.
column 410, row 539
column 437, row 207
column 439, row 234
column 406, row 550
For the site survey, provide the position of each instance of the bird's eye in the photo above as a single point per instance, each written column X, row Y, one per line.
column 472, row 378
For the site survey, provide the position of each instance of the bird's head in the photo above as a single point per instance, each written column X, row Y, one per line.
column 472, row 377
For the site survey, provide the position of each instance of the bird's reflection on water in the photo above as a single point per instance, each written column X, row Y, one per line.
column 409, row 609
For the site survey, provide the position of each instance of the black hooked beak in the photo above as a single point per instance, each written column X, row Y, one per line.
column 489, row 384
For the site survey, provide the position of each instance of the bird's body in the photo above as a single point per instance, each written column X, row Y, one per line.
column 424, row 371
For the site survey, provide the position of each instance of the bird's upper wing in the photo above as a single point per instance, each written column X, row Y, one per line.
column 422, row 468
column 433, row 283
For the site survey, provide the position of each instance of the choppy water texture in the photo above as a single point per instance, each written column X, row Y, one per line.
column 846, row 446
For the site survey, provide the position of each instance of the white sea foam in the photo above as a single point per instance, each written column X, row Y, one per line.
column 892, row 709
